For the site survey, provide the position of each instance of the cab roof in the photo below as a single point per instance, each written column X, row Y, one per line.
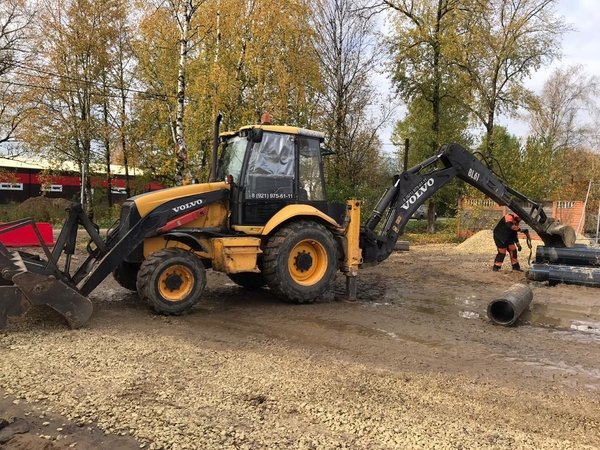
column 284, row 129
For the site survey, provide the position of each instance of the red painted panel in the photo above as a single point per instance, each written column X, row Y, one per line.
column 65, row 180
column 26, row 237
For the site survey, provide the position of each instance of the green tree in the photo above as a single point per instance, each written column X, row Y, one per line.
column 416, row 126
column 531, row 169
column 423, row 42
column 422, row 46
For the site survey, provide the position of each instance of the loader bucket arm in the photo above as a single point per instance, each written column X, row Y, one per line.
column 413, row 187
column 28, row 280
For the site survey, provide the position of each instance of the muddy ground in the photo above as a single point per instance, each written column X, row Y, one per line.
column 414, row 363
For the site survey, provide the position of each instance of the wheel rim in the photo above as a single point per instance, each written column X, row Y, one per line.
column 175, row 283
column 307, row 262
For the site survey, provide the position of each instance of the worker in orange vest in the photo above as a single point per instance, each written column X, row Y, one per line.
column 507, row 240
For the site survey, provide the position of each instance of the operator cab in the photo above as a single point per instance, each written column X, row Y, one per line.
column 270, row 167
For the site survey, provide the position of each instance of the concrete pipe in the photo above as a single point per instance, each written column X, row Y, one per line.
column 506, row 309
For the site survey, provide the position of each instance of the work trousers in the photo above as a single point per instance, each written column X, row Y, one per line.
column 512, row 251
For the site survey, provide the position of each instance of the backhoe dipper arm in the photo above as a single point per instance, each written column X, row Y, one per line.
column 413, row 187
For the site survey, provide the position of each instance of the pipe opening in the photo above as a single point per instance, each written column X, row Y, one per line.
column 502, row 312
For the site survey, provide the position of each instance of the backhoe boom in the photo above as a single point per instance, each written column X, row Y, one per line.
column 412, row 188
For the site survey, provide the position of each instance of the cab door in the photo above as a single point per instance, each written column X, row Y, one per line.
column 270, row 178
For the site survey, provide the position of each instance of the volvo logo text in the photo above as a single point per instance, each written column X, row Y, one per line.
column 418, row 193
column 189, row 205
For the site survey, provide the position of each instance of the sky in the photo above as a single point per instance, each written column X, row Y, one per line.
column 579, row 47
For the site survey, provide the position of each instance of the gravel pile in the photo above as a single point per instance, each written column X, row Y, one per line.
column 482, row 242
column 173, row 390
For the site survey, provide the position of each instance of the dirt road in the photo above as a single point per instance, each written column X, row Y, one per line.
column 414, row 363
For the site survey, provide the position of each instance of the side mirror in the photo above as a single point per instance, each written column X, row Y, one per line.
column 255, row 134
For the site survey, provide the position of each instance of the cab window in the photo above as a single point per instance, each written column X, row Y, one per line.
column 311, row 186
column 271, row 168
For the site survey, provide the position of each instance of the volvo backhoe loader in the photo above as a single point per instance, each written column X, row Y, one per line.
column 263, row 219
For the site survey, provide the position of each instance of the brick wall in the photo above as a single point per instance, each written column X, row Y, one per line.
column 569, row 213
column 482, row 214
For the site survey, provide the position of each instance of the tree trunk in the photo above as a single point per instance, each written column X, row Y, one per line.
column 489, row 130
column 181, row 150
column 106, row 138
column 123, row 136
column 435, row 106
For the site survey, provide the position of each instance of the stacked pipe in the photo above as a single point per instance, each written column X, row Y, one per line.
column 576, row 265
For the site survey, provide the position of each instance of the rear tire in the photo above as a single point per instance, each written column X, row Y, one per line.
column 248, row 280
column 126, row 275
column 300, row 261
column 171, row 281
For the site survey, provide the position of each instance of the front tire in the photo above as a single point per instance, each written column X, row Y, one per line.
column 300, row 261
column 171, row 281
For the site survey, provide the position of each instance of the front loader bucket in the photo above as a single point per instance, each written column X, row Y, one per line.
column 31, row 289
column 27, row 280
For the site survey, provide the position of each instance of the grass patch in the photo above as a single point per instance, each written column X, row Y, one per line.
column 445, row 232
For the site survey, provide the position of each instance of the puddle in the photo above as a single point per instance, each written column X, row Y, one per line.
column 586, row 327
column 424, row 309
column 468, row 315
column 338, row 325
column 562, row 316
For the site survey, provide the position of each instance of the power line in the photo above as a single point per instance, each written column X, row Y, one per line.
column 73, row 91
column 80, row 80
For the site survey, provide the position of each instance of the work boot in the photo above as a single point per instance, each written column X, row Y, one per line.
column 517, row 267
column 496, row 268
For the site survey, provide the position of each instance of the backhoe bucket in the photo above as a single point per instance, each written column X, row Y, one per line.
column 560, row 235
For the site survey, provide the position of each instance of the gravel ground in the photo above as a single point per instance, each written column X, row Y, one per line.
column 413, row 364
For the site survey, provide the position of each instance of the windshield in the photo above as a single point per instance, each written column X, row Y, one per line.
column 232, row 158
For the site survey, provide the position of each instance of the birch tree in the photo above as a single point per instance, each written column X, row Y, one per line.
column 123, row 77
column 245, row 56
column 183, row 11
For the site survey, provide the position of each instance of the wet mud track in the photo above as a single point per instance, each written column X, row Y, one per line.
column 413, row 363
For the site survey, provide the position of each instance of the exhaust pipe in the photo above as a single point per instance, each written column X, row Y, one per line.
column 506, row 310
column 215, row 149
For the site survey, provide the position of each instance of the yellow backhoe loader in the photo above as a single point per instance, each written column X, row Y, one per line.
column 263, row 219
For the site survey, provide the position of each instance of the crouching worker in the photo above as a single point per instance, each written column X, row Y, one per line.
column 506, row 240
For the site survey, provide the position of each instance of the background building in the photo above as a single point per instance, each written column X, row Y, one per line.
column 23, row 178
